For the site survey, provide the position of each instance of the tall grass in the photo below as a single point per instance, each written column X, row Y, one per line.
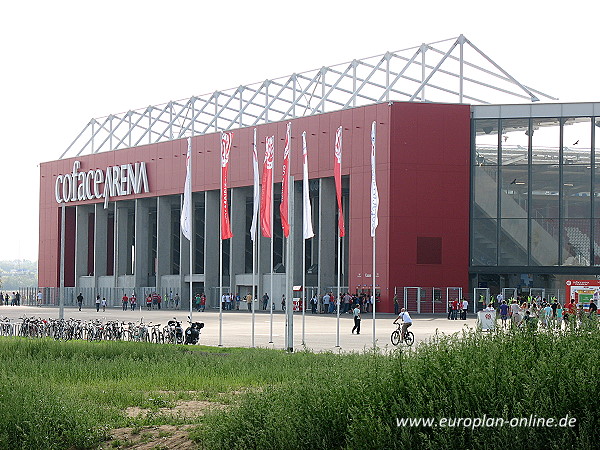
column 70, row 394
column 353, row 402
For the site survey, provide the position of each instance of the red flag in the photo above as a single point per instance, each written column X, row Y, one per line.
column 266, row 192
column 337, row 174
column 283, row 206
column 225, row 149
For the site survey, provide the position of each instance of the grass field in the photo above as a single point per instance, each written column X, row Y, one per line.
column 73, row 394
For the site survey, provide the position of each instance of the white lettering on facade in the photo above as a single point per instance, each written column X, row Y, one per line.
column 115, row 181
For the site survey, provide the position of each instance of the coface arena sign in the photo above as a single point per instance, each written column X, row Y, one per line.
column 115, row 181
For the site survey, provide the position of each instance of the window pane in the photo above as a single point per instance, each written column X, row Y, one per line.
column 597, row 138
column 545, row 141
column 576, row 191
column 576, row 242
column 484, row 249
column 544, row 241
column 515, row 141
column 597, row 188
column 486, row 142
column 513, row 242
column 577, row 138
column 545, row 183
column 485, row 188
column 514, row 191
column 597, row 242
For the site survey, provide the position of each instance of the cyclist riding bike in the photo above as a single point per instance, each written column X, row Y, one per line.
column 406, row 322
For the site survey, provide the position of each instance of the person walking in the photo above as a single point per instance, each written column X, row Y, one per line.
column 396, row 304
column 80, row 300
column 356, row 316
column 103, row 304
column 265, row 299
column 125, row 301
column 203, row 302
column 133, row 301
column 176, row 299
column 249, row 301
column 98, row 303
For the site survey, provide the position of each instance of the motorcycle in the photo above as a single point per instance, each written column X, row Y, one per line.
column 192, row 333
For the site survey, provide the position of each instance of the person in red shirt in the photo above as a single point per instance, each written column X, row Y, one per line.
column 125, row 301
column 454, row 309
column 569, row 312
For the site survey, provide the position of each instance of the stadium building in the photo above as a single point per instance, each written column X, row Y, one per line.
column 483, row 188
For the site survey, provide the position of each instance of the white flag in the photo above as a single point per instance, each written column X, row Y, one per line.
column 186, row 210
column 374, row 193
column 307, row 228
column 256, row 189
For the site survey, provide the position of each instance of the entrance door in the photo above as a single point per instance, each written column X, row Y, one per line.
column 412, row 299
column 509, row 293
column 481, row 296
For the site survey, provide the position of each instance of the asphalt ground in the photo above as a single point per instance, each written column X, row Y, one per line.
column 320, row 330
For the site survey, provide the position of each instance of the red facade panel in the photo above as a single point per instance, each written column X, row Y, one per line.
column 422, row 175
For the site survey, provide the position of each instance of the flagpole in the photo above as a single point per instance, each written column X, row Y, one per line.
column 337, row 333
column 373, row 293
column 374, row 222
column 272, row 237
column 303, row 285
column 190, row 209
column 254, row 238
column 221, row 248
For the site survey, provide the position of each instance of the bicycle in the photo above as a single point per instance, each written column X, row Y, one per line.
column 409, row 337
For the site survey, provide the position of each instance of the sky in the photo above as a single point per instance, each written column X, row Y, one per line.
column 66, row 62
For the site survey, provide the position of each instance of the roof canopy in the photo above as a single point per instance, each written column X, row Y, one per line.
column 448, row 71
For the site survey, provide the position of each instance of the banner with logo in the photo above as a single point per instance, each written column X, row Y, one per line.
column 374, row 191
column 225, row 150
column 337, row 174
column 284, row 205
column 266, row 193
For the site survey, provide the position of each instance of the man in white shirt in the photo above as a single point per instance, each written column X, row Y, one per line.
column 326, row 303
column 465, row 306
column 406, row 322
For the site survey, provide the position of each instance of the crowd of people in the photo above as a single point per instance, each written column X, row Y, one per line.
column 12, row 299
column 536, row 312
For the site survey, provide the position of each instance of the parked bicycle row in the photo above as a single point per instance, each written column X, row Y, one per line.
column 97, row 330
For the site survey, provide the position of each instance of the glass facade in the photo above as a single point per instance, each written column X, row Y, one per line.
column 535, row 194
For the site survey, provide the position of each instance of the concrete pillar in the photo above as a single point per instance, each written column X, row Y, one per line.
column 298, row 231
column 327, row 234
column 184, row 261
column 141, row 269
column 211, row 247
column 81, row 241
column 121, row 248
column 100, row 240
column 239, row 227
column 163, row 234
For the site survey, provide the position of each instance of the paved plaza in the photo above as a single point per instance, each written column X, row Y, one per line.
column 319, row 329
